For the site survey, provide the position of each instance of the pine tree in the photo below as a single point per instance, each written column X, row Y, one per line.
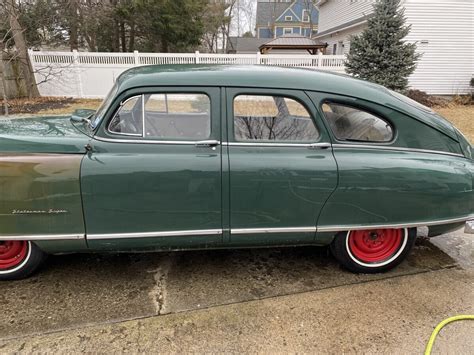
column 379, row 54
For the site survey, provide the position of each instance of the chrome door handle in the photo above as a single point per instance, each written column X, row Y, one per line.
column 319, row 146
column 207, row 143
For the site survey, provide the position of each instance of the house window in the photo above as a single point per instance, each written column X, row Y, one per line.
column 305, row 16
column 287, row 31
column 288, row 18
column 340, row 48
column 334, row 48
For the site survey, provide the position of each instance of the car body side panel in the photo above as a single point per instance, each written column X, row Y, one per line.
column 40, row 195
column 380, row 187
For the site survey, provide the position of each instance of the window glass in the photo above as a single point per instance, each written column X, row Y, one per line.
column 272, row 118
column 177, row 116
column 128, row 119
column 349, row 123
column 104, row 106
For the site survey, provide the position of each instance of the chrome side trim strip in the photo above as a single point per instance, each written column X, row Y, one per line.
column 252, row 144
column 402, row 149
column 185, row 233
column 144, row 141
column 43, row 237
column 399, row 225
column 272, row 230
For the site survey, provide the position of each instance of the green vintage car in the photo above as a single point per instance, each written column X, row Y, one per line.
column 207, row 157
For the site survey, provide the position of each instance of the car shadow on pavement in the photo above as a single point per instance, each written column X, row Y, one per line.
column 81, row 289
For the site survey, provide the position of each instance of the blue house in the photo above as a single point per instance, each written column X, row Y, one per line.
column 282, row 17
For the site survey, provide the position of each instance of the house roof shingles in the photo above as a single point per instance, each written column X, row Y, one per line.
column 242, row 44
column 268, row 12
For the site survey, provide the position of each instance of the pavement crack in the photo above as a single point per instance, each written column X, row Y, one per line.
column 158, row 292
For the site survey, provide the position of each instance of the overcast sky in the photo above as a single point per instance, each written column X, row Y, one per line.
column 244, row 17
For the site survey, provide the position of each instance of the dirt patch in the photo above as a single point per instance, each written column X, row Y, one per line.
column 48, row 105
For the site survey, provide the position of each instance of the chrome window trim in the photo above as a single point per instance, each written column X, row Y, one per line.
column 43, row 237
column 402, row 149
column 340, row 228
column 272, row 230
column 181, row 233
column 115, row 114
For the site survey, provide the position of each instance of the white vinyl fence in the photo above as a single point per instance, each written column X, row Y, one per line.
column 91, row 74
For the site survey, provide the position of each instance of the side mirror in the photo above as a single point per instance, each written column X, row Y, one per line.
column 82, row 115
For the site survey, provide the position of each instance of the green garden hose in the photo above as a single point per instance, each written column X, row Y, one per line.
column 441, row 325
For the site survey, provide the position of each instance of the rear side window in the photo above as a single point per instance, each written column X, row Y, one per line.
column 272, row 118
column 353, row 124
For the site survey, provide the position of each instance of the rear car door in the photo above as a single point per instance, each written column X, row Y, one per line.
column 281, row 166
column 153, row 175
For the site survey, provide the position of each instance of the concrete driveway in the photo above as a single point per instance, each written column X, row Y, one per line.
column 261, row 300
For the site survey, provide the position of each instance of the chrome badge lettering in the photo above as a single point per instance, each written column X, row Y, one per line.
column 49, row 211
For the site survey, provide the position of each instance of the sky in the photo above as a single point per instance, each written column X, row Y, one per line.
column 244, row 17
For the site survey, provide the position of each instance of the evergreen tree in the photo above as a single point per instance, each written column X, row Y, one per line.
column 379, row 54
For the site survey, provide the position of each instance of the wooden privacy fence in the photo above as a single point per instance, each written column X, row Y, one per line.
column 91, row 74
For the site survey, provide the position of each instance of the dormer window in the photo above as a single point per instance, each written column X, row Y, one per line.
column 305, row 16
column 288, row 18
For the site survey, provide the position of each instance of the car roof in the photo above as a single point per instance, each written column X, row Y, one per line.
column 262, row 76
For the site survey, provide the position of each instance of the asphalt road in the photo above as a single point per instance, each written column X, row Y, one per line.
column 227, row 301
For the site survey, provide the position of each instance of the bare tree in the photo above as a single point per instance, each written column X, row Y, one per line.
column 21, row 48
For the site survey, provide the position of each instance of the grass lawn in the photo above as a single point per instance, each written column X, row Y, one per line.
column 462, row 116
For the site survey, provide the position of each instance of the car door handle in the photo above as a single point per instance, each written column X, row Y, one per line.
column 319, row 146
column 207, row 143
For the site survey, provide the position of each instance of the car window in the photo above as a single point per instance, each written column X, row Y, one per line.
column 353, row 124
column 128, row 119
column 272, row 118
column 177, row 116
column 99, row 114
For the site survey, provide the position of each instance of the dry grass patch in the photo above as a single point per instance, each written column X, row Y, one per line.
column 462, row 116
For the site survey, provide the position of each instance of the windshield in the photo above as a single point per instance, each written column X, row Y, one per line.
column 103, row 107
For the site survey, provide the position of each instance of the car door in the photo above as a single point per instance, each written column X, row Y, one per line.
column 152, row 177
column 281, row 165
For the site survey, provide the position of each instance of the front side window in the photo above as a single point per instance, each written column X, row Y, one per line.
column 177, row 116
column 164, row 116
column 353, row 124
column 272, row 118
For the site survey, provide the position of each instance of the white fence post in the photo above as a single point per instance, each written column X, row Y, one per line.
column 136, row 57
column 258, row 58
column 75, row 63
column 196, row 57
column 320, row 59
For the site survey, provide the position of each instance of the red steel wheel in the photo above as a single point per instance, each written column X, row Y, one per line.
column 377, row 247
column 13, row 253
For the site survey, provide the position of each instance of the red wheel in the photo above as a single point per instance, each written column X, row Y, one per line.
column 373, row 250
column 19, row 259
column 375, row 247
column 13, row 253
